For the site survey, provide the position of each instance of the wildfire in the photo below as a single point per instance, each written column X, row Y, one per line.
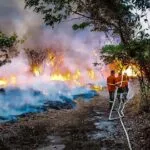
column 60, row 77
column 74, row 77
column 77, row 75
column 96, row 88
column 91, row 74
column 131, row 71
column 51, row 66
column 36, row 70
column 51, row 59
column 13, row 80
column 4, row 82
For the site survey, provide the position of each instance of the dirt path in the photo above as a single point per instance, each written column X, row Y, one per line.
column 85, row 128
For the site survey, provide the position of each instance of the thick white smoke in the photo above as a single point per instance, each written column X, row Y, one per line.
column 76, row 46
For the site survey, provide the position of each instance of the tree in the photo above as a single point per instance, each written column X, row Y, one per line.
column 100, row 15
column 8, row 48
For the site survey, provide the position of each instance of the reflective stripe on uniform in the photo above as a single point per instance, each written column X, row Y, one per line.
column 121, row 82
column 110, row 84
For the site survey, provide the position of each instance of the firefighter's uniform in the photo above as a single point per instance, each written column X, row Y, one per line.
column 122, row 84
column 111, row 84
column 126, row 80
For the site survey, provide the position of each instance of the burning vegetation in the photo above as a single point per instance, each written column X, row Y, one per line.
column 53, row 64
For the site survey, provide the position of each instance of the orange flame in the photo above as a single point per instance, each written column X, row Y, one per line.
column 3, row 82
column 132, row 71
column 91, row 74
column 60, row 77
column 13, row 80
column 36, row 70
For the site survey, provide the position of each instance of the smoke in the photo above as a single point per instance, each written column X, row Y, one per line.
column 76, row 46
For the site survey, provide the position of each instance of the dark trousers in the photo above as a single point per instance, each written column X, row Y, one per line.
column 111, row 98
column 124, row 92
column 126, row 89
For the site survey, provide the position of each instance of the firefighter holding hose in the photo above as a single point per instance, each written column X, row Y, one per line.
column 111, row 84
column 122, row 84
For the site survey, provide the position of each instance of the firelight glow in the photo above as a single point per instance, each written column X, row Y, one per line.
column 130, row 72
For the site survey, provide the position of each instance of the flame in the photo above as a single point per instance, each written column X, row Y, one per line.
column 3, row 82
column 36, row 70
column 77, row 75
column 60, row 77
column 51, row 59
column 59, row 71
column 13, row 80
column 96, row 88
column 131, row 71
column 68, row 76
column 54, row 67
column 91, row 74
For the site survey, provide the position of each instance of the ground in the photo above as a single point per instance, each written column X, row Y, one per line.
column 84, row 128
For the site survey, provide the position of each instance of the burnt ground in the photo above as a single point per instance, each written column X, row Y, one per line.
column 84, row 128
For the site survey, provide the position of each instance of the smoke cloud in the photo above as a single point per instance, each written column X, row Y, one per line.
column 76, row 46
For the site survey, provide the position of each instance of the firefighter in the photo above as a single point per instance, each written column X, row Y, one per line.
column 111, row 87
column 122, row 84
column 125, row 85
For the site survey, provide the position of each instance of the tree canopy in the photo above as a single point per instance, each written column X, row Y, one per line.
column 8, row 47
column 101, row 15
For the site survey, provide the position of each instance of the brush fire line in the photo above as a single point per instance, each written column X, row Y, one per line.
column 57, row 86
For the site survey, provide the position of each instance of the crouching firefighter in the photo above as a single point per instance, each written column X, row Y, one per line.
column 111, row 84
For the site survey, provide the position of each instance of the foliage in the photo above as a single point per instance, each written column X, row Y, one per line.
column 116, row 16
column 8, row 47
column 101, row 15
column 80, row 26
column 112, row 52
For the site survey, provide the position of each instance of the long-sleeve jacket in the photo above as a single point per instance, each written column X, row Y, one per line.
column 111, row 83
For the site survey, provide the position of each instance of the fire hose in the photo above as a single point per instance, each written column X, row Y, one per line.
column 121, row 114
